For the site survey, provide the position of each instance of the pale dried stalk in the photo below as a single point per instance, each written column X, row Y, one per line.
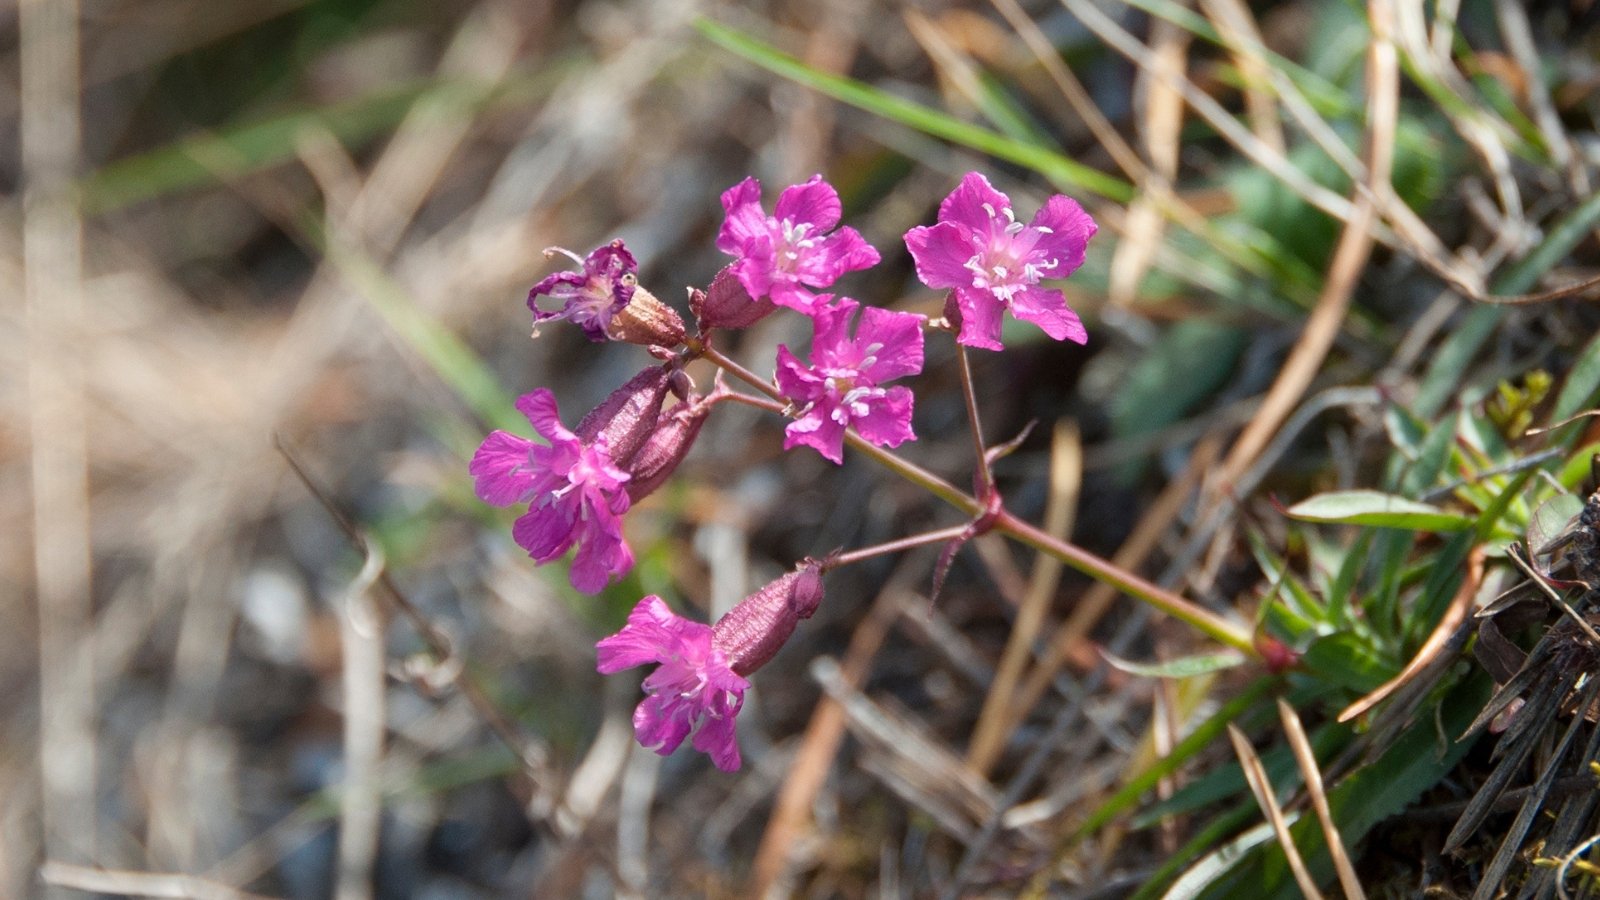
column 788, row 824
column 1234, row 22
column 1349, row 257
column 361, row 635
column 1306, row 758
column 1087, row 612
column 57, row 336
column 1066, row 480
column 1261, row 786
column 139, row 884
column 1161, row 124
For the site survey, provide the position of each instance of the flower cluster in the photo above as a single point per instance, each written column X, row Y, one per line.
column 578, row 484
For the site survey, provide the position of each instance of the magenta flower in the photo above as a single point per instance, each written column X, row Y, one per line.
column 842, row 386
column 995, row 263
column 701, row 682
column 782, row 253
column 575, row 494
column 590, row 298
column 695, row 687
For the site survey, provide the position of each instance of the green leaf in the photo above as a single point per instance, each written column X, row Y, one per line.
column 1183, row 667
column 1349, row 661
column 1061, row 170
column 1579, row 392
column 1375, row 508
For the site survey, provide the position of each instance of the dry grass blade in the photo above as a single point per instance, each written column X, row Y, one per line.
column 1261, row 786
column 1217, row 117
column 1161, row 124
column 139, row 884
column 1066, row 480
column 1305, row 757
column 1349, row 256
column 57, row 331
column 361, row 634
column 1088, row 611
column 820, row 743
column 1237, row 25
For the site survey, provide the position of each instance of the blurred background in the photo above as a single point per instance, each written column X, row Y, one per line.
column 237, row 233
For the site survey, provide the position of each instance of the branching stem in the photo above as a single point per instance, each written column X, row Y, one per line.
column 1206, row 621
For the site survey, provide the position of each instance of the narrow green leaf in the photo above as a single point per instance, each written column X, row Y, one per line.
column 1374, row 508
column 1183, row 667
column 1061, row 170
column 1579, row 392
column 1196, row 741
column 241, row 149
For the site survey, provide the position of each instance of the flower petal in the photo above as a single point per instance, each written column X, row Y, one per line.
column 897, row 337
column 1070, row 229
column 819, row 431
column 980, row 318
column 1048, row 309
column 653, row 634
column 546, row 532
column 602, row 555
column 540, row 408
column 795, row 380
column 813, row 203
column 500, row 469
column 843, row 251
column 888, row 419
column 941, row 254
column 745, row 220
column 977, row 205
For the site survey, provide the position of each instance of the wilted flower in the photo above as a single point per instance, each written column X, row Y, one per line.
column 590, row 298
column 995, row 263
column 842, row 387
column 782, row 253
column 575, row 491
column 700, row 684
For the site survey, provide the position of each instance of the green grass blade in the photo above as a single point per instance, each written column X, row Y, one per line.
column 1063, row 172
column 241, row 149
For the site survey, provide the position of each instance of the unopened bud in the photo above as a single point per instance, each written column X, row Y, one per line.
column 726, row 304
column 674, row 435
column 647, row 321
column 755, row 630
column 628, row 416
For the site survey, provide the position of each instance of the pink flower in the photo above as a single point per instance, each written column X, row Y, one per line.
column 700, row 684
column 694, row 687
column 994, row 263
column 841, row 389
column 781, row 252
column 575, row 493
column 592, row 297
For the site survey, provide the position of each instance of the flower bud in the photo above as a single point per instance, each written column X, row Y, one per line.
column 647, row 321
column 753, row 632
column 726, row 304
column 628, row 416
column 666, row 446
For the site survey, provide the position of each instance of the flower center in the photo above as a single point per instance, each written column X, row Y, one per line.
column 792, row 242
